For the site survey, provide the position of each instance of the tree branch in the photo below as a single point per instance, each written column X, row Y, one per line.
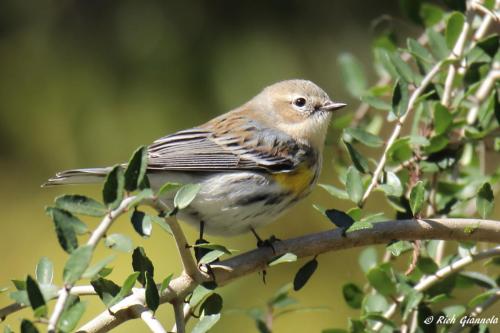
column 477, row 311
column 429, row 281
column 153, row 323
column 188, row 263
column 180, row 323
column 305, row 246
column 397, row 129
column 78, row 290
column 94, row 239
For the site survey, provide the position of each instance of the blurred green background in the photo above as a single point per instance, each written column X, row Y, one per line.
column 83, row 83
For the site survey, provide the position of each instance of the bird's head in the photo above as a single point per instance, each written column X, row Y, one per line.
column 299, row 108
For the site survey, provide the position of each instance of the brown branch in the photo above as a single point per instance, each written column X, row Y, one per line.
column 305, row 246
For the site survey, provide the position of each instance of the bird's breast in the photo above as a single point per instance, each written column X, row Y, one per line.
column 300, row 181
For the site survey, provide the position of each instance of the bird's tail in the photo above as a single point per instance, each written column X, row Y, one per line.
column 78, row 176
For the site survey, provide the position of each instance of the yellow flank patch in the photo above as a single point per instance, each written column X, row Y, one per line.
column 296, row 181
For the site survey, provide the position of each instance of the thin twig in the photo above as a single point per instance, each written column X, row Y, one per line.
column 94, row 239
column 188, row 263
column 456, row 54
column 495, row 297
column 306, row 246
column 397, row 129
column 444, row 272
column 152, row 322
column 363, row 108
column 187, row 312
column 180, row 323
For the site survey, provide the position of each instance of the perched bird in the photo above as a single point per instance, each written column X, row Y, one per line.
column 253, row 163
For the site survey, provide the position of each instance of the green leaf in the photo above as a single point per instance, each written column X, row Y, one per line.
column 186, row 195
column 141, row 223
column 454, row 26
column 354, row 185
column 352, row 74
column 119, row 242
column 93, row 271
column 105, row 289
column 454, row 311
column 381, row 280
column 64, row 229
column 210, row 257
column 168, row 187
column 363, row 136
column 392, row 185
column 374, row 302
column 66, row 217
column 79, row 204
column 431, row 14
column 359, row 161
column 376, row 103
column 44, row 271
column 35, row 297
column 19, row 284
column 152, row 295
column 402, row 68
column 481, row 298
column 112, row 192
column 142, row 264
column 437, row 44
column 284, row 258
column 442, row 119
column 199, row 293
column 353, row 295
column 165, row 283
column 136, row 169
column 479, row 279
column 400, row 98
column 28, row 327
column 420, row 52
column 126, row 288
column 212, row 304
column 436, row 144
column 304, row 274
column 361, row 225
column 205, row 323
column 427, row 266
column 339, row 218
column 368, row 259
column 485, row 200
column 77, row 263
column 160, row 221
column 71, row 317
column 379, row 318
column 417, row 197
column 399, row 247
column 7, row 329
column 335, row 191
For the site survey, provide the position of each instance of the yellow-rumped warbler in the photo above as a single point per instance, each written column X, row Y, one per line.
column 252, row 163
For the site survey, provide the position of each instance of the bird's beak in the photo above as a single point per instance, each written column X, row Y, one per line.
column 332, row 106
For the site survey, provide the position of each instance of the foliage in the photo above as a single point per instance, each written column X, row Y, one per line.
column 442, row 125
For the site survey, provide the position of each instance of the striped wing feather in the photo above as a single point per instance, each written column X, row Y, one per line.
column 200, row 149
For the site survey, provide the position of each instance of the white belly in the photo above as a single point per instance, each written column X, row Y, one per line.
column 229, row 203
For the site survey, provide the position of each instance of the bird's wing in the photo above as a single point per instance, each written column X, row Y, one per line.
column 237, row 145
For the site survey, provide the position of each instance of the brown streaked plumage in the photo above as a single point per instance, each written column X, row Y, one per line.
column 253, row 162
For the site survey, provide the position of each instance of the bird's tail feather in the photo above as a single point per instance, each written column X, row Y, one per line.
column 78, row 176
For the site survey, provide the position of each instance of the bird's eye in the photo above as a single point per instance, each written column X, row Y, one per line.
column 300, row 102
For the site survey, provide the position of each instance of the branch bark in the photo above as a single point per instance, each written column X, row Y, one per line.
column 305, row 246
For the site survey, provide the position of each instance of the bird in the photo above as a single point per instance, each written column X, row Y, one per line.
column 252, row 163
